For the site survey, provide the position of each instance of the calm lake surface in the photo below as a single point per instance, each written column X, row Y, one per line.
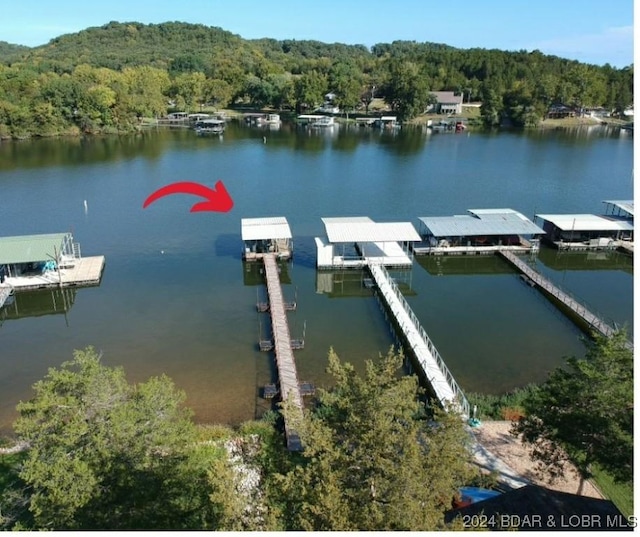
column 176, row 297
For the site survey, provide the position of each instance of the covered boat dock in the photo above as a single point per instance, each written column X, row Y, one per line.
column 482, row 231
column 271, row 235
column 362, row 242
column 586, row 231
column 48, row 260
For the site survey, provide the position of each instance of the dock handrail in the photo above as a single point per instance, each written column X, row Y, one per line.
column 593, row 320
column 465, row 407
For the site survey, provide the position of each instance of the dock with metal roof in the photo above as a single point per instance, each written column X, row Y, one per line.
column 270, row 235
column 47, row 260
column 285, row 361
column 433, row 367
column 590, row 319
column 362, row 242
column 481, row 231
column 591, row 231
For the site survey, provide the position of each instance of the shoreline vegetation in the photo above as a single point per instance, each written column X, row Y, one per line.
column 104, row 80
column 471, row 120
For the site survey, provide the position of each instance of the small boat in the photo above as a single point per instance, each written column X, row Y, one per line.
column 326, row 121
column 269, row 119
column 210, row 126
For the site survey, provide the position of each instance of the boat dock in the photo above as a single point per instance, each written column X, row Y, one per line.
column 285, row 361
column 433, row 368
column 86, row 271
column 534, row 279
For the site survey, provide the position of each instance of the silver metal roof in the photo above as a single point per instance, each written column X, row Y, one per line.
column 31, row 248
column 481, row 222
column 363, row 229
column 587, row 222
column 625, row 205
column 256, row 229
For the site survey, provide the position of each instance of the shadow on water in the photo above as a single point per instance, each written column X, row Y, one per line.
column 228, row 245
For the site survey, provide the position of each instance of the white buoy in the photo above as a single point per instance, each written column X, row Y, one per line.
column 86, row 207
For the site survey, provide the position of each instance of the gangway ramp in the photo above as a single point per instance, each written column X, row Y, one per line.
column 433, row 367
column 590, row 319
column 285, row 361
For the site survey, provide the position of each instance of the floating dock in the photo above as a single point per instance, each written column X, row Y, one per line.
column 46, row 261
column 285, row 361
column 480, row 232
column 534, row 278
column 86, row 271
column 442, row 382
column 364, row 242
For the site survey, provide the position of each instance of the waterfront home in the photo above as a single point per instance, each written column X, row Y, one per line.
column 266, row 235
column 612, row 230
column 482, row 231
column 447, row 102
column 51, row 260
column 360, row 242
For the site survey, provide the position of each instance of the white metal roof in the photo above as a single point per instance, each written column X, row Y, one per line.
column 275, row 227
column 481, row 222
column 625, row 205
column 587, row 222
column 363, row 229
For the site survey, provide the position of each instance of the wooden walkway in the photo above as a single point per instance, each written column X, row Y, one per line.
column 285, row 361
column 433, row 367
column 592, row 320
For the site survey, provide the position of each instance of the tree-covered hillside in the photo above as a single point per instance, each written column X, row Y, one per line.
column 103, row 79
column 10, row 53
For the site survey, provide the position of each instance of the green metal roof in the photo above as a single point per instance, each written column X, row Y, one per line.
column 30, row 248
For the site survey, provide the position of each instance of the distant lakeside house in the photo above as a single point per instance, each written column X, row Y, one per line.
column 447, row 102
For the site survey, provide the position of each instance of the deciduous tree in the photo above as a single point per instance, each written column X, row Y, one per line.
column 584, row 413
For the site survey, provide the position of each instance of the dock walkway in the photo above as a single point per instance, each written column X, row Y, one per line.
column 287, row 374
column 433, row 367
column 592, row 320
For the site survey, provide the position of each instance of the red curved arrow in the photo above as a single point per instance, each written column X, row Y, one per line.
column 218, row 198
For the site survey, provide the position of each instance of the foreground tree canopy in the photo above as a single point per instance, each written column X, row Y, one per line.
column 584, row 412
column 373, row 459
column 106, row 454
column 103, row 79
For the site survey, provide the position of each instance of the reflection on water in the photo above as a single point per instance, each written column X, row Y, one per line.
column 561, row 260
column 37, row 303
column 446, row 265
column 176, row 297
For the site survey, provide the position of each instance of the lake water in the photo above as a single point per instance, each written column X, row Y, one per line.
column 176, row 297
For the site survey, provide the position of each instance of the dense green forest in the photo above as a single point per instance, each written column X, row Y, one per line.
column 104, row 79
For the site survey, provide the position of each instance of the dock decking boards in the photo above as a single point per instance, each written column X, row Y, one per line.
column 285, row 361
column 435, row 370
